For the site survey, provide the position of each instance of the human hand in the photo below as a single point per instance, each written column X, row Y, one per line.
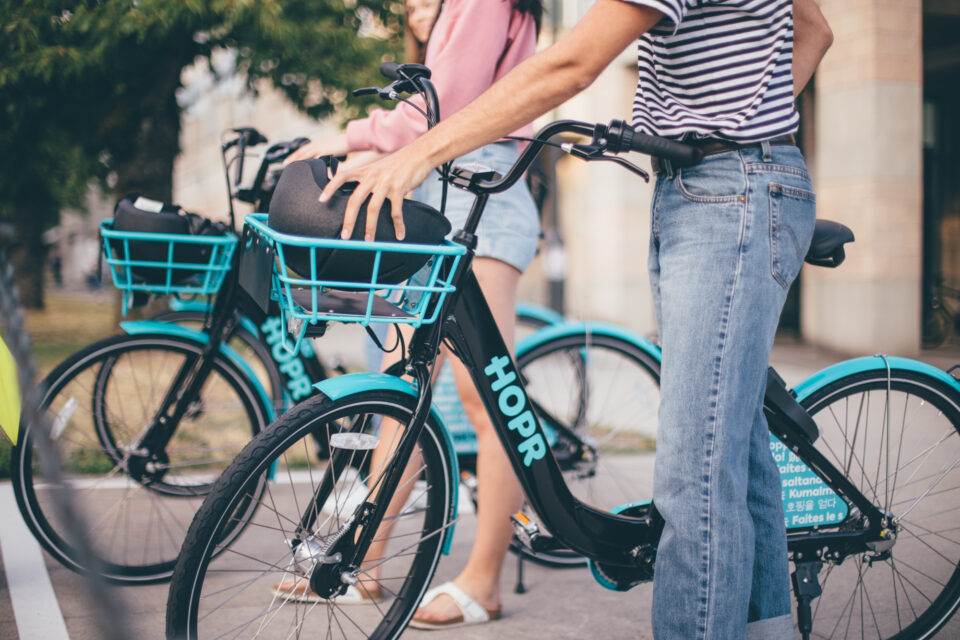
column 335, row 145
column 390, row 178
column 359, row 159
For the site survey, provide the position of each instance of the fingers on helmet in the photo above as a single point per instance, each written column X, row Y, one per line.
column 396, row 212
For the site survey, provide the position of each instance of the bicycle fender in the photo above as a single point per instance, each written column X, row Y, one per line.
column 599, row 328
column 840, row 370
column 544, row 314
column 140, row 327
column 176, row 304
column 342, row 386
column 199, row 305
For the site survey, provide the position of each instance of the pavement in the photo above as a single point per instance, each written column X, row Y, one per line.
column 41, row 600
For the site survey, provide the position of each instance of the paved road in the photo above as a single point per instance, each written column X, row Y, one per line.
column 558, row 603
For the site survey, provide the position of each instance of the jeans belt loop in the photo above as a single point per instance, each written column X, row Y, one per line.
column 661, row 166
column 767, row 153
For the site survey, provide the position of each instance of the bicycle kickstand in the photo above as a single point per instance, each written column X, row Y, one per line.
column 806, row 587
column 519, row 588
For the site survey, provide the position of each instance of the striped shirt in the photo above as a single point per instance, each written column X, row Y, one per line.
column 717, row 69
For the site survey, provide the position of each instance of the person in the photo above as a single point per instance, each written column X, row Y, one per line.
column 728, row 236
column 467, row 44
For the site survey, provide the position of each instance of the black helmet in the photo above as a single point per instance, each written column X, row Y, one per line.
column 296, row 210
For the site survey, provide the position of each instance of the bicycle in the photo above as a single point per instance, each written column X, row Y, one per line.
column 145, row 420
column 863, row 479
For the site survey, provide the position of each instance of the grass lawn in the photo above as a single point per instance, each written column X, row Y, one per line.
column 70, row 322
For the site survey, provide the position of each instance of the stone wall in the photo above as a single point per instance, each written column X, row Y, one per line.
column 868, row 160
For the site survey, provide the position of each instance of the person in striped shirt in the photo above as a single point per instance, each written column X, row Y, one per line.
column 728, row 236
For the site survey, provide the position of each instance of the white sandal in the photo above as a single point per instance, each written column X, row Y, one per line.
column 471, row 612
column 298, row 590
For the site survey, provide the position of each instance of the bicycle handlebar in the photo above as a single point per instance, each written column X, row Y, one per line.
column 408, row 71
column 615, row 137
column 622, row 137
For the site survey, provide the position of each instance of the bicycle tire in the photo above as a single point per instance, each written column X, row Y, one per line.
column 606, row 390
column 98, row 400
column 231, row 593
column 913, row 593
column 247, row 345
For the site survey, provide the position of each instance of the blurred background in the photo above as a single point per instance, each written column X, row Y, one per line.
column 110, row 97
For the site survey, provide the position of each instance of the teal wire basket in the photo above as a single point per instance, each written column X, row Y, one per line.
column 308, row 299
column 165, row 264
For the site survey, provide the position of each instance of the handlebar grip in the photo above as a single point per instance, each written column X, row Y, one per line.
column 389, row 70
column 680, row 154
column 252, row 136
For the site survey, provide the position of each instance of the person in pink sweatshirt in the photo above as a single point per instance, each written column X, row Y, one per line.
column 468, row 45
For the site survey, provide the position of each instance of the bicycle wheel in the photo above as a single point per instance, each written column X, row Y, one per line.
column 600, row 395
column 898, row 441
column 99, row 401
column 232, row 595
column 248, row 346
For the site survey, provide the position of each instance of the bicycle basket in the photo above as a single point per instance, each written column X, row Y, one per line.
column 165, row 263
column 311, row 299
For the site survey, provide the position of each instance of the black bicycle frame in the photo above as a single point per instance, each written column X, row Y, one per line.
column 474, row 337
column 476, row 340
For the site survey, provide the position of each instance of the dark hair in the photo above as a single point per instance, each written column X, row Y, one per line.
column 533, row 7
column 415, row 51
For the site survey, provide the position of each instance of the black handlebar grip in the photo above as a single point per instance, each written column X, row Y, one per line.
column 389, row 70
column 252, row 136
column 680, row 154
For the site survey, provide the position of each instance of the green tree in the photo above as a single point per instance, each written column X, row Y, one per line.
column 89, row 87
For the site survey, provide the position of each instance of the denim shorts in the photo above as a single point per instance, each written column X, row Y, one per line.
column 510, row 228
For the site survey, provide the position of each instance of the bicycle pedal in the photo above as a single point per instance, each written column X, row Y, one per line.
column 528, row 532
column 526, row 529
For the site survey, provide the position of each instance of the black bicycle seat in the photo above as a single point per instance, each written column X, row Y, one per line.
column 826, row 248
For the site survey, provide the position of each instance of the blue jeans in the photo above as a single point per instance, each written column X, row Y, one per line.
column 729, row 236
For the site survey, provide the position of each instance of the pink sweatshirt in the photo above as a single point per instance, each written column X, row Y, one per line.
column 473, row 44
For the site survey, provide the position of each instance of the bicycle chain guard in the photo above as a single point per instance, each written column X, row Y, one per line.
column 624, row 578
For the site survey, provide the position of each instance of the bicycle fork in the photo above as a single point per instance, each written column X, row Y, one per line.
column 333, row 564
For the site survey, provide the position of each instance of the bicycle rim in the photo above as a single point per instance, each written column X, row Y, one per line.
column 237, row 594
column 898, row 441
column 605, row 391
column 98, row 403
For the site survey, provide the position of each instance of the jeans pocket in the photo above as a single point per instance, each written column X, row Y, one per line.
column 717, row 179
column 792, row 216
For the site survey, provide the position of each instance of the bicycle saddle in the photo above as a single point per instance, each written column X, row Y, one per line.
column 826, row 248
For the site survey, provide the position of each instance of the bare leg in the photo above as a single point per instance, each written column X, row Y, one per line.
column 498, row 491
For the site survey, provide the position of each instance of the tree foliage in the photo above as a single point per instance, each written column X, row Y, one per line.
column 88, row 87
